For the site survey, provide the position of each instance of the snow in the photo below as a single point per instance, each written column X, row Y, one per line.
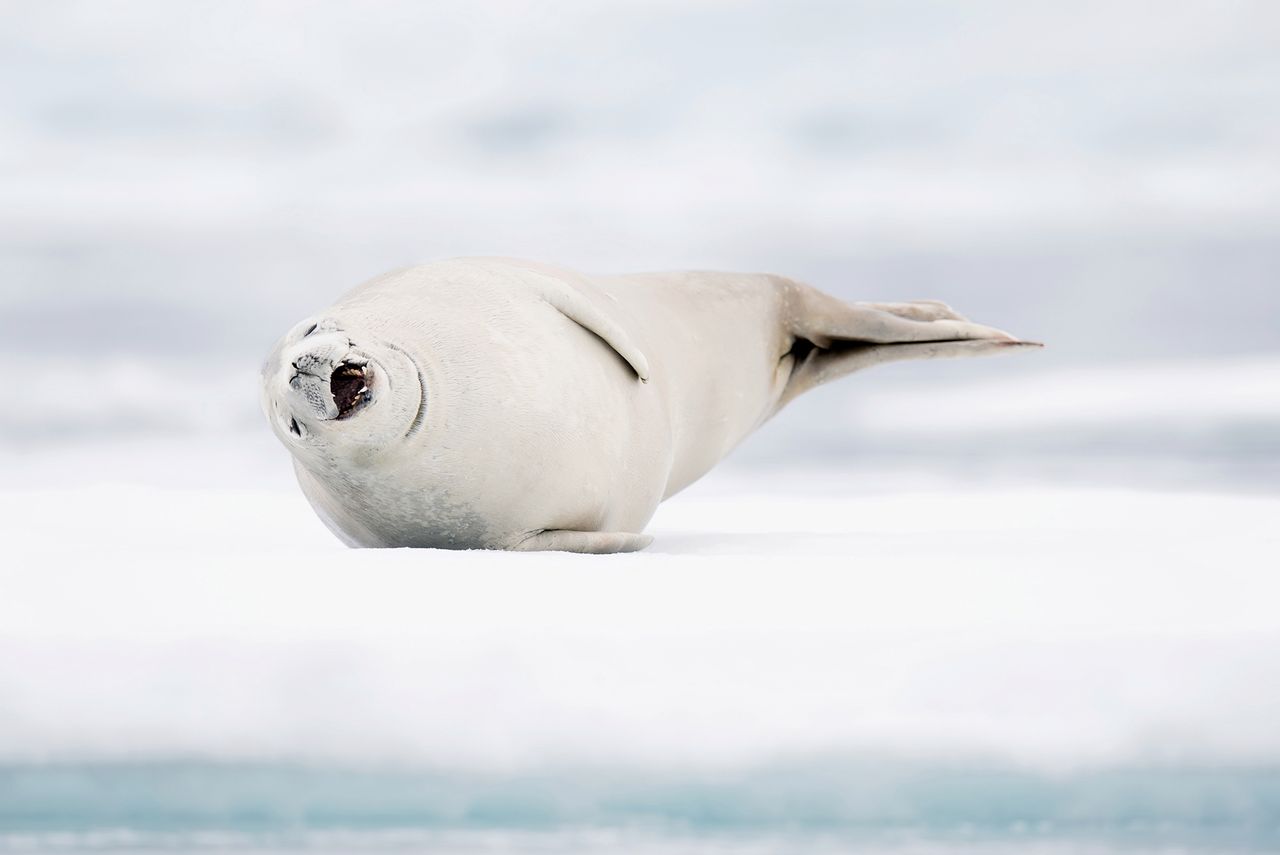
column 1047, row 627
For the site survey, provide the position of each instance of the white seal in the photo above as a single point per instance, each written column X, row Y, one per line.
column 503, row 404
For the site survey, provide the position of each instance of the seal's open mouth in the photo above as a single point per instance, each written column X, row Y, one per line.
column 350, row 388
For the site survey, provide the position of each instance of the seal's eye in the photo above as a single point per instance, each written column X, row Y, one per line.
column 294, row 427
column 310, row 330
column 349, row 387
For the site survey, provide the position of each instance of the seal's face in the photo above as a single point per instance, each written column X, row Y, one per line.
column 334, row 391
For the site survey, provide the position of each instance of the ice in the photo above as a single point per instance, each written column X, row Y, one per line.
column 1053, row 628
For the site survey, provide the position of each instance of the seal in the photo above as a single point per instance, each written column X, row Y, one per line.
column 506, row 404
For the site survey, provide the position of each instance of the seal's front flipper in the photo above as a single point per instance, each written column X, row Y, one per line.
column 595, row 542
column 577, row 308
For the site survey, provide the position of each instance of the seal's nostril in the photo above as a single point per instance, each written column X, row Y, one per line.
column 294, row 428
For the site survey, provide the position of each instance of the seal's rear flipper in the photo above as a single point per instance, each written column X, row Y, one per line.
column 596, row 542
column 833, row 338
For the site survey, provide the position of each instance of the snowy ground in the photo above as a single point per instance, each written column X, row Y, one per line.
column 923, row 657
column 1056, row 628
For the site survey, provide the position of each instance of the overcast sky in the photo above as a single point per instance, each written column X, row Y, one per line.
column 180, row 178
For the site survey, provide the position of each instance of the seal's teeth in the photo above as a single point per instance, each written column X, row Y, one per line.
column 348, row 387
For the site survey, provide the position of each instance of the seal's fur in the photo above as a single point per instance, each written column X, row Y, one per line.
column 495, row 403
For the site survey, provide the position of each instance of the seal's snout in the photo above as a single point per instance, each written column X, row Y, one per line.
column 326, row 376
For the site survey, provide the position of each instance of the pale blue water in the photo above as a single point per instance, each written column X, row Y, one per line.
column 842, row 806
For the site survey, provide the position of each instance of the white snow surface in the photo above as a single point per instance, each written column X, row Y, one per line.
column 1056, row 628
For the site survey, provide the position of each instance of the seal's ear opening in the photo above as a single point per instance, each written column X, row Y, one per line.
column 349, row 387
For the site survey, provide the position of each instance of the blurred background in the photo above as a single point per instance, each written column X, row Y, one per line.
column 981, row 604
column 181, row 182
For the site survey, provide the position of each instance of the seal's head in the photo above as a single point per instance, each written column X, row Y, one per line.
column 332, row 390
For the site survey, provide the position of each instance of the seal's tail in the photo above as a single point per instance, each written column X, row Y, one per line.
column 833, row 338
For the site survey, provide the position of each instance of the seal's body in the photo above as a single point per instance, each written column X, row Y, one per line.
column 492, row 403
